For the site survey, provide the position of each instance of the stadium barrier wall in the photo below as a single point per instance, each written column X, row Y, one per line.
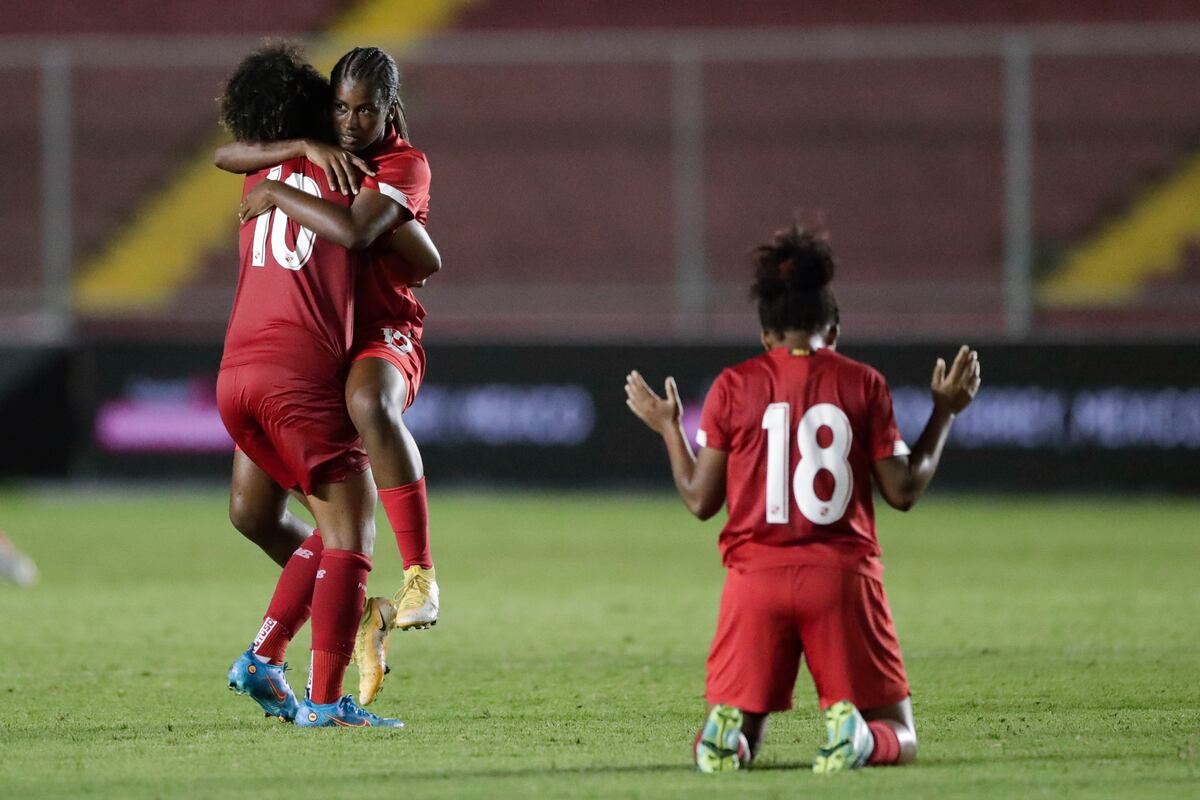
column 1080, row 417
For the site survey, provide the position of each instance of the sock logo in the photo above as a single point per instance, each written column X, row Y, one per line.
column 263, row 632
column 362, row 586
column 303, row 553
column 320, row 574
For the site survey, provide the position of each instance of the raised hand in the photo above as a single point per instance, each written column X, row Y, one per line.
column 344, row 170
column 659, row 413
column 954, row 390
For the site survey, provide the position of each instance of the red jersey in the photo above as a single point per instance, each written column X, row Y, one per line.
column 802, row 433
column 295, row 292
column 401, row 173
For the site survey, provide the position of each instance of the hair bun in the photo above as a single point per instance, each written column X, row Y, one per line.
column 803, row 259
column 791, row 282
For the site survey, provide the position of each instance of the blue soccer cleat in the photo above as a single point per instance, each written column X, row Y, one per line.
column 345, row 713
column 265, row 684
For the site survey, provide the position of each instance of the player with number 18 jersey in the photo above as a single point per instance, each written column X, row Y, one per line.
column 793, row 441
column 802, row 429
column 809, row 426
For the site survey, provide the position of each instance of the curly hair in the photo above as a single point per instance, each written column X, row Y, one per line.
column 380, row 72
column 275, row 94
column 791, row 282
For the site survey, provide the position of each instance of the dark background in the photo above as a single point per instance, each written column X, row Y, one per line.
column 555, row 415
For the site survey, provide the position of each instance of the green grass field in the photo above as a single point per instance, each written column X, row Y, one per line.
column 1053, row 648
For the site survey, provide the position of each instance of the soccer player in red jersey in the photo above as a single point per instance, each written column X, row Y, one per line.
column 388, row 359
column 793, row 440
column 280, row 395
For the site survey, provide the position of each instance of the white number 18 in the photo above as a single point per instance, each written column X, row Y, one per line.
column 833, row 457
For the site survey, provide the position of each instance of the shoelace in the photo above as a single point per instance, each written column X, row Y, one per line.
column 349, row 706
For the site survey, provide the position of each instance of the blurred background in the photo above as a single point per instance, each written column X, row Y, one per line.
column 1022, row 177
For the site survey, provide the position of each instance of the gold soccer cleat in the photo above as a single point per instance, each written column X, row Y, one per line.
column 370, row 647
column 417, row 601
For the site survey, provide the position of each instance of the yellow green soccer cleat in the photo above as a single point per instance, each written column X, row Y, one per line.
column 721, row 746
column 370, row 646
column 417, row 601
column 849, row 742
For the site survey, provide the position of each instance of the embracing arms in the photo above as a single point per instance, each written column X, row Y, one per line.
column 354, row 227
column 343, row 169
column 370, row 216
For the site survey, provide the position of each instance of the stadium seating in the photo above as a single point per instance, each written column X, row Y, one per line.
column 552, row 194
column 130, row 126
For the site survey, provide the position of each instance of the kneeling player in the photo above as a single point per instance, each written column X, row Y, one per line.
column 793, row 439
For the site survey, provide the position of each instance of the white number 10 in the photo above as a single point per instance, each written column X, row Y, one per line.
column 833, row 457
column 275, row 221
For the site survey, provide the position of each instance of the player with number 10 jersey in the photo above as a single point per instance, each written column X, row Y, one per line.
column 288, row 340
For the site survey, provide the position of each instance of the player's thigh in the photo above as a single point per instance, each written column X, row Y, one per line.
column 390, row 372
column 849, row 639
column 755, row 653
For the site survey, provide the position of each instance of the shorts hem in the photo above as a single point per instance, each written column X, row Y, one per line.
column 748, row 705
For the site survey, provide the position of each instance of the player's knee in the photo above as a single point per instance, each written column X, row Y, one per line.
column 250, row 520
column 373, row 409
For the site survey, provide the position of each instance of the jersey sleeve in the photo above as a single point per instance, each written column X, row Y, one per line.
column 715, row 427
column 886, row 440
column 405, row 178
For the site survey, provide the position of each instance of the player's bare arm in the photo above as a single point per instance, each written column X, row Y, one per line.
column 699, row 481
column 412, row 243
column 343, row 169
column 370, row 215
column 903, row 479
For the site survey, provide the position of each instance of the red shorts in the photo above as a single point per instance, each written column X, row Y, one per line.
column 295, row 429
column 837, row 619
column 398, row 345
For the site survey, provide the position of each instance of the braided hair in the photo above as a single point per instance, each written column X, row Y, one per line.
column 379, row 71
column 791, row 283
column 275, row 94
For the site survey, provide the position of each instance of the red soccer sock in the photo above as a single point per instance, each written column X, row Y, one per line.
column 408, row 513
column 887, row 744
column 292, row 602
column 337, row 604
